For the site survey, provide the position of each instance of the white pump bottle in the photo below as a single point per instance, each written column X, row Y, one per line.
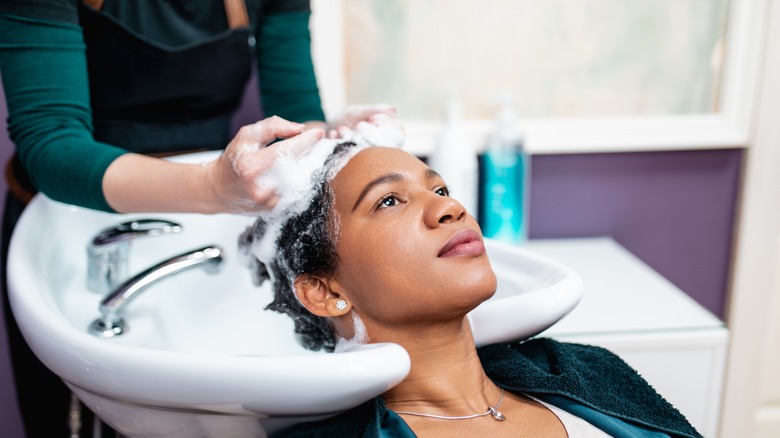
column 455, row 159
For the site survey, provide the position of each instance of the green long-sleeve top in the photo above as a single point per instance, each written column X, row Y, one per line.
column 44, row 72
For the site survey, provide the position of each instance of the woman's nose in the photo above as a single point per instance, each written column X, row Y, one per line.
column 444, row 209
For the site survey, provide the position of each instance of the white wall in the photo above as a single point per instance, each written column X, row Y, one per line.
column 752, row 396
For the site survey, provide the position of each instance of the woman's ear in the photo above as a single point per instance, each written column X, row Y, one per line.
column 316, row 295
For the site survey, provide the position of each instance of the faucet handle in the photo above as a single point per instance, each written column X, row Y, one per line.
column 108, row 252
column 130, row 230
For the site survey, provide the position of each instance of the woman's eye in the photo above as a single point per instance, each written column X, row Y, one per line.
column 387, row 201
column 442, row 191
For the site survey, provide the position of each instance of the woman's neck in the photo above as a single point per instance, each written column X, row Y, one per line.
column 447, row 382
column 446, row 376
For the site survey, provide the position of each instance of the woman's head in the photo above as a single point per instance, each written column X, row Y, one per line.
column 384, row 237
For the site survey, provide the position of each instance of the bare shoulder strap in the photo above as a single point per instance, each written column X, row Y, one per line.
column 236, row 14
column 95, row 4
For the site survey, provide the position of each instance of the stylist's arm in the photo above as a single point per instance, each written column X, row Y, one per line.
column 138, row 183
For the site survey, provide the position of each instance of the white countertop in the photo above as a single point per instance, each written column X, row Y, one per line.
column 622, row 294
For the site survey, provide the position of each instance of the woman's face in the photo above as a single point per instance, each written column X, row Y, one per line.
column 408, row 252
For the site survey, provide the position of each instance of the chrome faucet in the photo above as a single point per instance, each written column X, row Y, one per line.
column 111, row 322
column 108, row 252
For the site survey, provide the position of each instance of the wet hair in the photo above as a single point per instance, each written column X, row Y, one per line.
column 305, row 245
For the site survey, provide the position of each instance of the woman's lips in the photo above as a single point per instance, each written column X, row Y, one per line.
column 464, row 243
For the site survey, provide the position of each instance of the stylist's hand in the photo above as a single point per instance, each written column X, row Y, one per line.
column 373, row 124
column 355, row 115
column 234, row 174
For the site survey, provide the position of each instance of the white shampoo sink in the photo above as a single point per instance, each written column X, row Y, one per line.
column 201, row 357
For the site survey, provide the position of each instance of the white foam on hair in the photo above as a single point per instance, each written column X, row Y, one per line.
column 360, row 336
column 294, row 177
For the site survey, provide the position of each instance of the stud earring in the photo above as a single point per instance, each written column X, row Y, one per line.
column 341, row 304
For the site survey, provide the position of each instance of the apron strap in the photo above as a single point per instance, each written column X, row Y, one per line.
column 235, row 10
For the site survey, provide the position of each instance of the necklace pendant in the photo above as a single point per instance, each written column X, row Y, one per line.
column 497, row 415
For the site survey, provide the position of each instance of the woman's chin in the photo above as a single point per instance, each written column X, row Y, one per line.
column 477, row 294
column 487, row 283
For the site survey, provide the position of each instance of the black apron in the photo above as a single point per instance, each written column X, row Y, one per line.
column 147, row 97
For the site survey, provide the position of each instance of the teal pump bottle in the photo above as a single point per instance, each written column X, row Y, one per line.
column 504, row 175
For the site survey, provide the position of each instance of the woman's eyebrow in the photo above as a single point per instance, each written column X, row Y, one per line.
column 390, row 177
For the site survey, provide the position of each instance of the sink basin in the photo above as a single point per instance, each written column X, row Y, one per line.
column 200, row 356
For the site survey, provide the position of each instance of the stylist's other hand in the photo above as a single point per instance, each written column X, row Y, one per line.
column 234, row 174
column 348, row 121
column 383, row 130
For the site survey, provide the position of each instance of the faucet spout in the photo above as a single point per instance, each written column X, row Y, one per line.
column 111, row 322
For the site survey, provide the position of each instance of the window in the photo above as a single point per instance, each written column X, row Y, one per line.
column 555, row 57
column 600, row 75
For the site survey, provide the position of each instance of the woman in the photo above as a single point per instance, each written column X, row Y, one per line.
column 382, row 253
column 96, row 89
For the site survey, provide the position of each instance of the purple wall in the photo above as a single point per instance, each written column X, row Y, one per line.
column 674, row 210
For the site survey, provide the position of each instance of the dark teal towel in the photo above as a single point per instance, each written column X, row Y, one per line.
column 592, row 376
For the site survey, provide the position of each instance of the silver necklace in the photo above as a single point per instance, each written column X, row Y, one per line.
column 491, row 410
